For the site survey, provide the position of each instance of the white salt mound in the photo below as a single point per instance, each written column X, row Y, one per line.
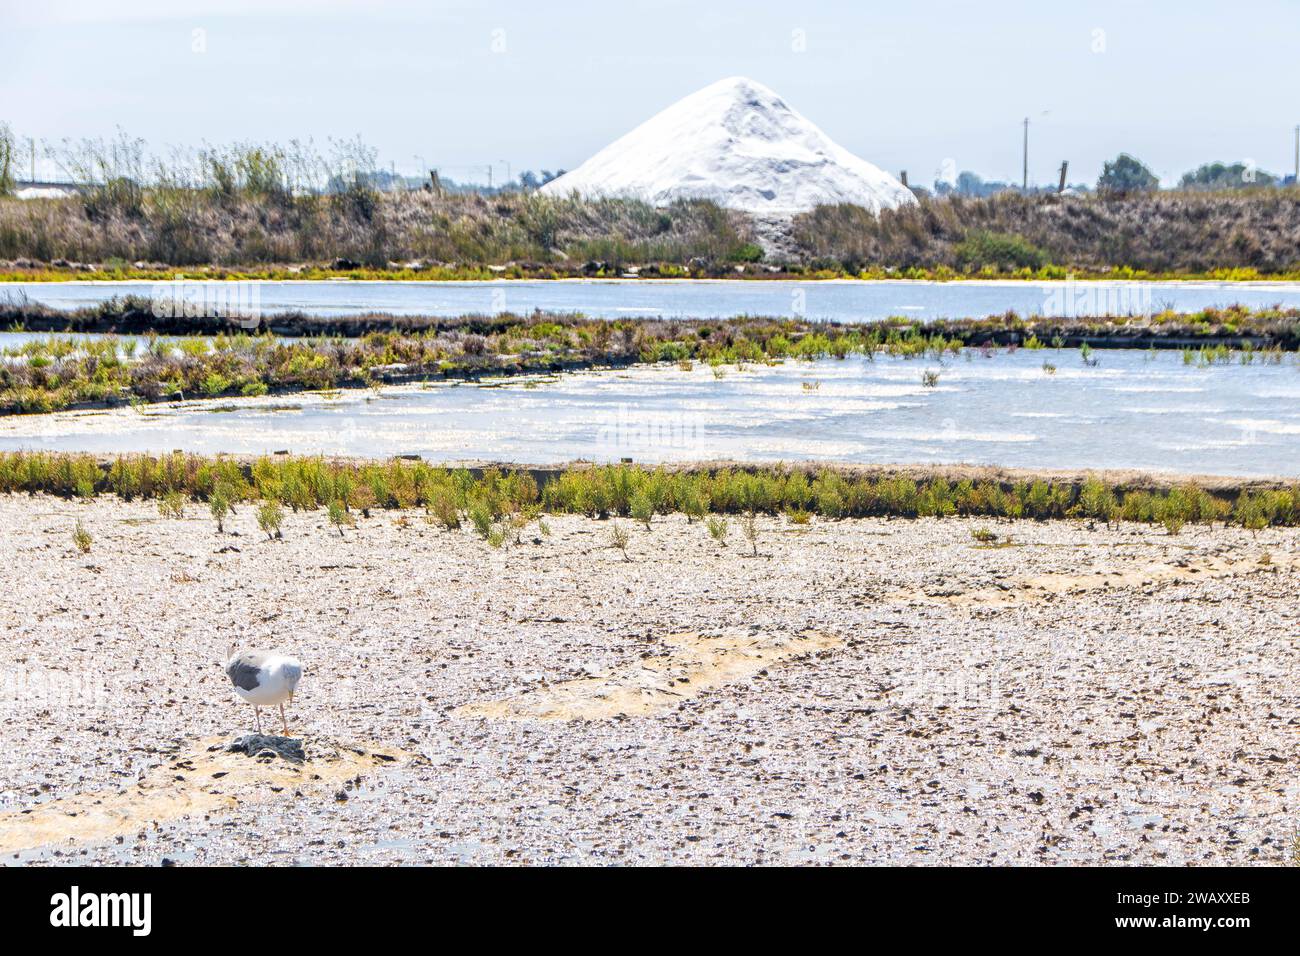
column 737, row 143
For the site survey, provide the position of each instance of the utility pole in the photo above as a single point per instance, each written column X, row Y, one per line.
column 1024, row 187
column 1296, row 181
column 1065, row 166
column 489, row 177
column 31, row 140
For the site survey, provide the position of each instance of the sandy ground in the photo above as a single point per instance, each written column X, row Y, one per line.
column 861, row 692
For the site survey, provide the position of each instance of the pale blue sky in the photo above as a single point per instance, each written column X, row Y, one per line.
column 905, row 86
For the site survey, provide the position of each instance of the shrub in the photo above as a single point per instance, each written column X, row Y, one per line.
column 618, row 538
column 481, row 518
column 442, row 508
column 269, row 517
column 172, row 505
column 982, row 249
column 219, row 506
column 340, row 516
column 641, row 508
column 81, row 538
column 717, row 529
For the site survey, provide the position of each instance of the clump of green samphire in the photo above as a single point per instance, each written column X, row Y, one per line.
column 219, row 506
column 490, row 496
column 717, row 529
column 172, row 505
column 269, row 517
column 81, row 538
column 340, row 517
column 618, row 538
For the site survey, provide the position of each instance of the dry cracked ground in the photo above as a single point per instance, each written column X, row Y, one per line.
column 858, row 692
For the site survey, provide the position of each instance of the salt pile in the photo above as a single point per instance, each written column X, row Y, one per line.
column 737, row 143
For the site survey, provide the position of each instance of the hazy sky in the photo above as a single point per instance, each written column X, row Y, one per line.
column 458, row 84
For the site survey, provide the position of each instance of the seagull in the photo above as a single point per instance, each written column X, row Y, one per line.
column 263, row 678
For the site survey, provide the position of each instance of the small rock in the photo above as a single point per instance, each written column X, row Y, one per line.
column 269, row 747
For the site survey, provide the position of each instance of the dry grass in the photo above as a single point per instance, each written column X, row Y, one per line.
column 170, row 226
column 1168, row 232
column 1172, row 233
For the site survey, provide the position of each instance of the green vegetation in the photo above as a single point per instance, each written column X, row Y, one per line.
column 618, row 538
column 360, row 351
column 256, row 207
column 717, row 528
column 269, row 518
column 1127, row 174
column 1126, row 232
column 339, row 515
column 81, row 538
column 1227, row 176
column 219, row 506
column 515, row 498
column 284, row 212
column 980, row 251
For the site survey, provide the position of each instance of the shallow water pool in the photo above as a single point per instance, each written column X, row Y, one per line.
column 1134, row 409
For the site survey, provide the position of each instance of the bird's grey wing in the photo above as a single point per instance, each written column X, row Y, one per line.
column 244, row 671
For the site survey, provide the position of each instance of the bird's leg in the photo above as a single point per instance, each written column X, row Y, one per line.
column 258, row 712
column 283, row 721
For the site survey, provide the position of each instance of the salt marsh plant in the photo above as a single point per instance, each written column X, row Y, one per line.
column 305, row 484
column 219, row 507
column 1097, row 502
column 618, row 538
column 480, row 516
column 340, row 517
column 984, row 536
column 929, row 378
column 81, row 538
column 269, row 518
column 61, row 372
column 717, row 529
column 442, row 508
column 641, row 508
column 172, row 505
column 749, row 525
